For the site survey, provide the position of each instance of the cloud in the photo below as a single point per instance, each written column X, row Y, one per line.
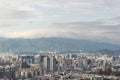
column 112, row 22
column 30, row 33
column 36, row 7
column 15, row 14
column 18, row 10
column 94, row 30
column 82, row 19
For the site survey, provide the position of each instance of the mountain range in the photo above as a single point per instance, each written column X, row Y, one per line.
column 53, row 44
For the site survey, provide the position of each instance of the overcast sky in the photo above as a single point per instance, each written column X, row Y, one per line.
column 82, row 19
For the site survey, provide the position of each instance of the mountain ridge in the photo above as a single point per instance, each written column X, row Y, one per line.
column 53, row 44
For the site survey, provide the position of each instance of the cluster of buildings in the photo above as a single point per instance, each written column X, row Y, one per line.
column 53, row 66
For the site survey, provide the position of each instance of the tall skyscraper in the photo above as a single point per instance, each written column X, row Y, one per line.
column 47, row 63
column 53, row 64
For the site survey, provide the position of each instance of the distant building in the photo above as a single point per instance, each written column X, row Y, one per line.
column 53, row 64
column 41, row 58
column 47, row 63
column 26, row 60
